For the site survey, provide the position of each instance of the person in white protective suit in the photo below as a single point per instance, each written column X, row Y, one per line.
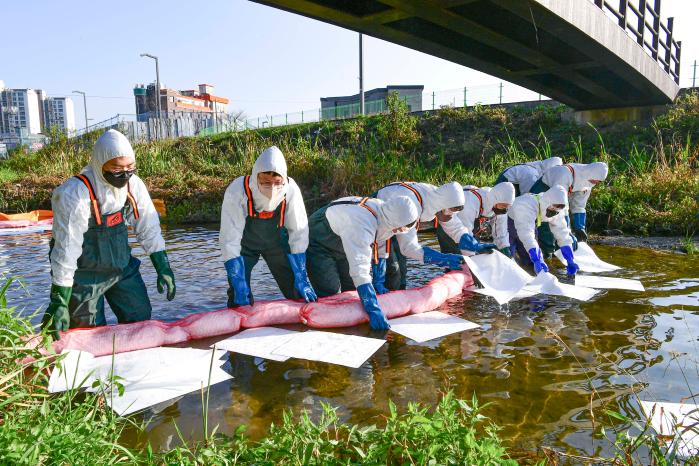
column 434, row 205
column 578, row 179
column 263, row 215
column 482, row 207
column 528, row 212
column 90, row 254
column 349, row 235
column 524, row 175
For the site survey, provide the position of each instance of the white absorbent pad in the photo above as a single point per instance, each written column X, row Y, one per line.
column 587, row 260
column 260, row 342
column 430, row 325
column 148, row 376
column 599, row 282
column 333, row 348
column 500, row 276
column 547, row 283
column 676, row 420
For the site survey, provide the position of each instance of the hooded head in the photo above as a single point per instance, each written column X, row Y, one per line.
column 501, row 193
column 446, row 200
column 268, row 194
column 543, row 165
column 398, row 212
column 588, row 175
column 555, row 199
column 111, row 145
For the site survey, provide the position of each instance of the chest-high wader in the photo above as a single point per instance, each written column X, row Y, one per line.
column 266, row 236
column 328, row 267
column 106, row 269
column 482, row 229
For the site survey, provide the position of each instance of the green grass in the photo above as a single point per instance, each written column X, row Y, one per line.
column 652, row 188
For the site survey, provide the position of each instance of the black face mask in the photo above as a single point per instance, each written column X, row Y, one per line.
column 497, row 211
column 552, row 213
column 118, row 180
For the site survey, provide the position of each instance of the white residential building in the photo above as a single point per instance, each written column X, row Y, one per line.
column 59, row 113
column 20, row 111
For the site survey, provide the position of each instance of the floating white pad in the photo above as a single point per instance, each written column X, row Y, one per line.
column 260, row 342
column 587, row 260
column 500, row 276
column 25, row 230
column 333, row 348
column 548, row 284
column 676, row 420
column 149, row 376
column 430, row 325
column 596, row 281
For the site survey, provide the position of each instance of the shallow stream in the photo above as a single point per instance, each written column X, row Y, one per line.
column 542, row 362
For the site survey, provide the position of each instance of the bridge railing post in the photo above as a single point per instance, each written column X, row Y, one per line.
column 656, row 29
column 677, row 63
column 623, row 7
column 668, row 49
column 641, row 21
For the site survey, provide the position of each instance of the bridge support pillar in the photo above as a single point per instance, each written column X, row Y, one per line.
column 613, row 115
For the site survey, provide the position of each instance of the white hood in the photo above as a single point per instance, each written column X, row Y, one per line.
column 556, row 195
column 396, row 212
column 586, row 172
column 444, row 197
column 110, row 145
column 271, row 160
column 500, row 193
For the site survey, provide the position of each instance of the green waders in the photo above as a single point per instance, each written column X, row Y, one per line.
column 106, row 269
column 547, row 242
column 267, row 238
column 327, row 264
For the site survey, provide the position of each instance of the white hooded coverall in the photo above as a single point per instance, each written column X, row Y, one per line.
column 574, row 177
column 479, row 203
column 526, row 174
column 529, row 210
column 72, row 208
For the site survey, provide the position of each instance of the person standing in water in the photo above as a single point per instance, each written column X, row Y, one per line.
column 263, row 215
column 90, row 254
column 349, row 237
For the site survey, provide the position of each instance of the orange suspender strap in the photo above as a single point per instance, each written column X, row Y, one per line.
column 572, row 172
column 93, row 198
column 132, row 201
column 248, row 193
column 480, row 199
column 417, row 196
column 375, row 246
column 283, row 210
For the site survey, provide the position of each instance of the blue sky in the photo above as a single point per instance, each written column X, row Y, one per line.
column 266, row 61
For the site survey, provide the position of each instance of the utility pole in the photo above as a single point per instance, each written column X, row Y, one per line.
column 501, row 92
column 694, row 76
column 361, row 75
column 84, row 106
column 157, row 88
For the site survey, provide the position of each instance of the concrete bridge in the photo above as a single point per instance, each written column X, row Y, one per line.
column 588, row 54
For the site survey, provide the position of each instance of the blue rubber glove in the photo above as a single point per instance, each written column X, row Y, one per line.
column 538, row 260
column 470, row 243
column 301, row 282
column 377, row 321
column 378, row 272
column 572, row 268
column 235, row 269
column 579, row 231
column 452, row 261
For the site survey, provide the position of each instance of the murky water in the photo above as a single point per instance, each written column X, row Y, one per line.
column 543, row 362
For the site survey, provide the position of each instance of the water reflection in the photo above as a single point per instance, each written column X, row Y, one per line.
column 543, row 362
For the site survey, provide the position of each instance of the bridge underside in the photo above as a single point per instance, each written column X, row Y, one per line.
column 567, row 50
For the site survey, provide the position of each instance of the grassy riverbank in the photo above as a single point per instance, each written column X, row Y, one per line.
column 37, row 428
column 652, row 188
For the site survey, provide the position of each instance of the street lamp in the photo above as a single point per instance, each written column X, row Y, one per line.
column 84, row 106
column 157, row 82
